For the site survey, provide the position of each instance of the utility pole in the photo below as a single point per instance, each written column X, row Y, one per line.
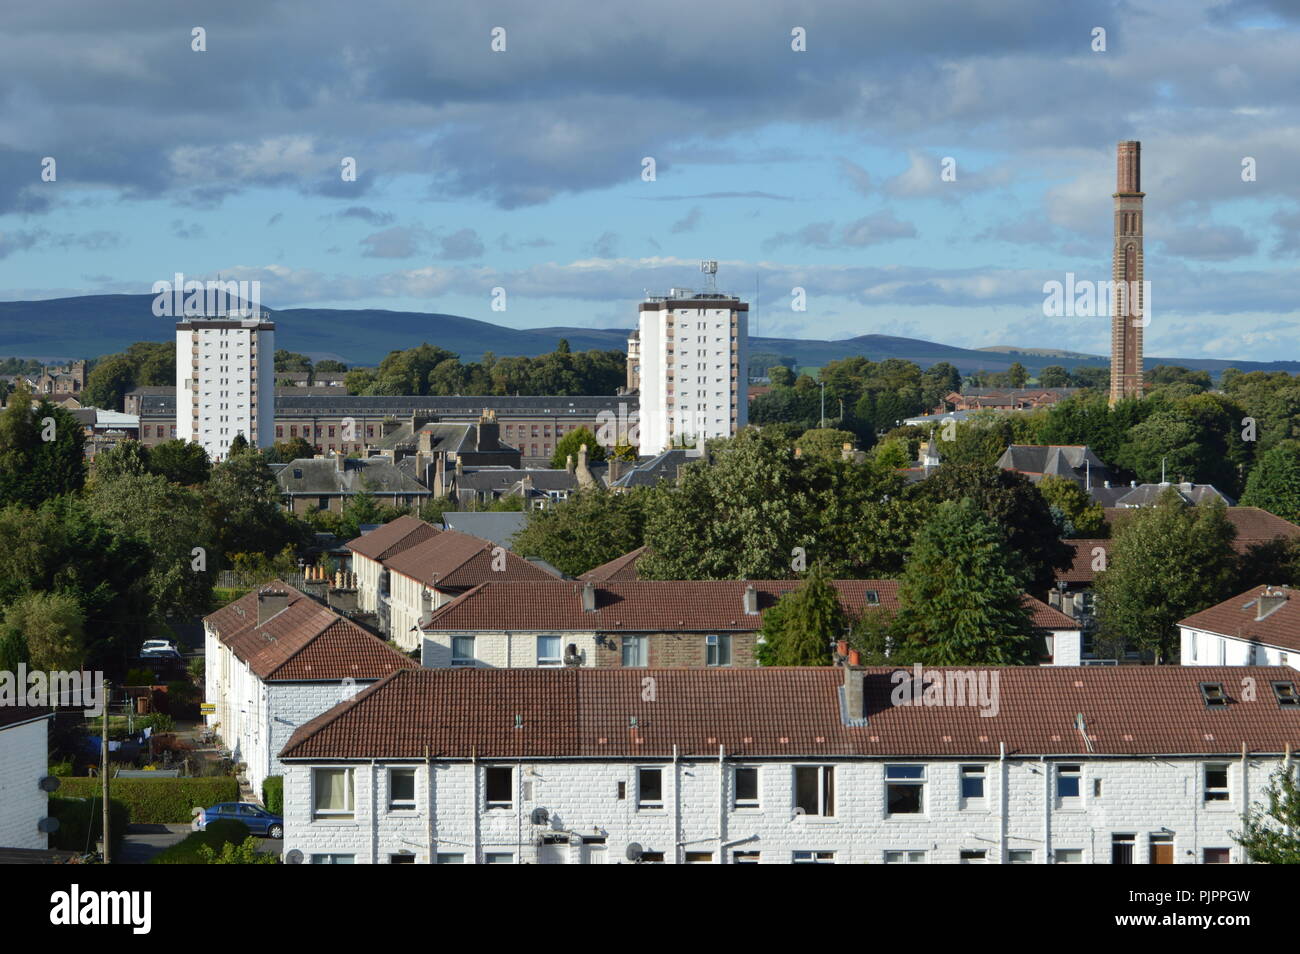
column 103, row 771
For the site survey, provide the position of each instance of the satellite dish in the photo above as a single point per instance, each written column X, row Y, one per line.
column 540, row 816
column 49, row 784
column 634, row 852
column 47, row 825
column 293, row 857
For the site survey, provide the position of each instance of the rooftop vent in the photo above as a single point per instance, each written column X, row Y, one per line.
column 1213, row 695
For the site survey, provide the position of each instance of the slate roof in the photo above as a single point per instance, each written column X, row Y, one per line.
column 649, row 472
column 304, row 641
column 392, row 537
column 499, row 527
column 321, row 477
column 452, row 560
column 1236, row 617
column 657, row 606
column 794, row 713
column 1147, row 495
column 1073, row 461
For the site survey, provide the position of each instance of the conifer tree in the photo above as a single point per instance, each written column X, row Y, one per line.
column 803, row 625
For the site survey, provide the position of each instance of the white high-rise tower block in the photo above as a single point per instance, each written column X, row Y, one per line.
column 225, row 382
column 694, row 368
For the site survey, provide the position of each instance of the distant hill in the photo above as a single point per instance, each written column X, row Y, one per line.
column 60, row 329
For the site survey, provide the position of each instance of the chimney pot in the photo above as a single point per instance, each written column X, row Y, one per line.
column 589, row 597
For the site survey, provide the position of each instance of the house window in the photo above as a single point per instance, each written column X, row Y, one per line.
column 401, row 790
column 449, row 858
column 1216, row 782
column 1020, row 856
column 718, row 650
column 402, row 858
column 636, row 651
column 813, row 858
column 1121, row 849
column 548, row 651
column 905, row 857
column 814, row 790
column 462, row 650
column 904, row 789
column 976, row 856
column 746, row 786
column 652, row 858
column 333, row 859
column 972, row 783
column 649, row 788
column 498, row 858
column 745, row 857
column 499, row 786
column 1216, row 856
column 1068, row 781
column 331, row 793
column 1068, row 856
column 699, row 857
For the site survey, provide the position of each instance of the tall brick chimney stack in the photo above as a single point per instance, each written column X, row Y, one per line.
column 1128, row 300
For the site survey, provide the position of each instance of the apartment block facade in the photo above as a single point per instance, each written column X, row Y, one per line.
column 225, row 383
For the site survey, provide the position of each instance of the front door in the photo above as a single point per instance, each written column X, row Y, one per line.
column 1162, row 850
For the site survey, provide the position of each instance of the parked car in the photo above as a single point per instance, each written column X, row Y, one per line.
column 257, row 818
column 156, row 647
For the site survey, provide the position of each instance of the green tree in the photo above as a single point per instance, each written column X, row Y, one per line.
column 53, row 626
column 1164, row 563
column 1271, row 834
column 1086, row 517
column 238, row 445
column 962, row 593
column 126, row 457
column 329, row 364
column 1053, row 376
column 781, row 376
column 572, row 441
column 803, row 625
column 1017, row 375
column 826, row 442
column 296, row 448
column 288, row 361
column 1274, row 482
column 243, row 503
column 245, row 853
column 181, row 462
column 33, row 469
column 590, row 528
column 108, row 382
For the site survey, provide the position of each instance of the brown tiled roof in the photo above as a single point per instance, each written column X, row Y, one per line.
column 794, row 713
column 1236, row 618
column 1080, row 570
column 618, row 569
column 658, row 606
column 455, row 560
column 392, row 538
column 305, row 641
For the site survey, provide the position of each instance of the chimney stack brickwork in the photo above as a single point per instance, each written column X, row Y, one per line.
column 1127, row 310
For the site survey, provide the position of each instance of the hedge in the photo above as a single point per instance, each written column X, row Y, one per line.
column 81, row 822
column 217, row 833
column 159, row 801
column 273, row 794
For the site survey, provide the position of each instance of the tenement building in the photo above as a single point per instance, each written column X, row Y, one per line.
column 224, row 382
column 818, row 765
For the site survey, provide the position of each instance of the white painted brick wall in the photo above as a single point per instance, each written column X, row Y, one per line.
column 24, row 760
column 1139, row 797
column 1067, row 647
column 497, row 650
column 1200, row 648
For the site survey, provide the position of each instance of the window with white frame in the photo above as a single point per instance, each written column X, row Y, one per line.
column 813, row 858
column 401, row 789
column 1020, row 856
column 905, row 857
column 972, row 785
column 498, row 858
column 636, row 651
column 1216, row 782
column 745, row 786
column 462, row 651
column 549, row 652
column 499, row 786
column 814, row 790
column 331, row 859
column 718, row 649
column 1067, row 856
column 1069, row 785
column 973, row 856
column 332, row 793
column 449, row 858
column 904, row 789
column 1121, row 849
column 649, row 788
column 745, row 857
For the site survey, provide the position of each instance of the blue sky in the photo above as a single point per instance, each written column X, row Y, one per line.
column 522, row 169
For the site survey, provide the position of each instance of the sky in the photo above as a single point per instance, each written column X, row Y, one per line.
column 525, row 168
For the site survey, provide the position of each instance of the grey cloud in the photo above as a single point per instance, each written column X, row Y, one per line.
column 689, row 222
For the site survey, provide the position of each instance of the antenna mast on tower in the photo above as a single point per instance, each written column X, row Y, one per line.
column 710, row 270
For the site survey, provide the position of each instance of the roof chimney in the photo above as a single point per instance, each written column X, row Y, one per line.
column 568, row 463
column 489, row 431
column 581, row 470
column 751, row 600
column 270, row 601
column 589, row 597
column 855, row 703
column 1269, row 601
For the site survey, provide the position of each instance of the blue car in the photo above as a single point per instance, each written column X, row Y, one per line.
column 257, row 818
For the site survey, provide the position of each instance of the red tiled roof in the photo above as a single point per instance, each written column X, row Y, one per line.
column 794, row 713
column 1080, row 570
column 657, row 606
column 1236, row 617
column 455, row 560
column 618, row 569
column 304, row 641
column 393, row 537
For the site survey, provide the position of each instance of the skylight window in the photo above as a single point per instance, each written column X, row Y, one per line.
column 1213, row 694
column 873, row 598
column 1286, row 694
